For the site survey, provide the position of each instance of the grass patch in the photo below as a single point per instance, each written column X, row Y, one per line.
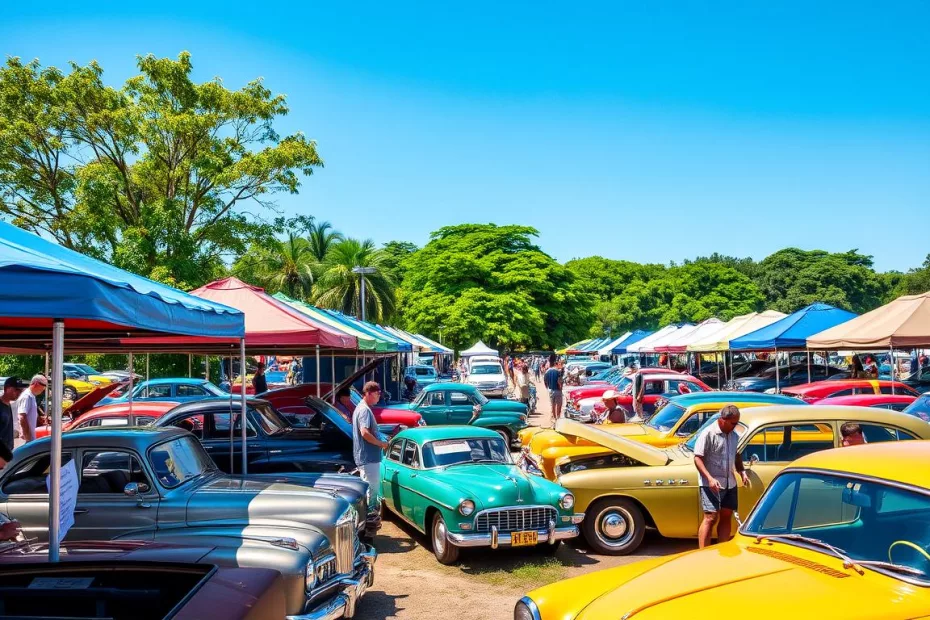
column 523, row 575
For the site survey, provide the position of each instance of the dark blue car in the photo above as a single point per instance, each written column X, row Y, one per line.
column 787, row 376
column 177, row 389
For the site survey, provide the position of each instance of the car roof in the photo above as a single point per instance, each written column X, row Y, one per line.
column 897, row 461
column 697, row 398
column 437, row 433
column 871, row 399
column 215, row 402
column 180, row 380
column 450, row 385
column 841, row 383
column 139, row 437
column 138, row 408
column 761, row 416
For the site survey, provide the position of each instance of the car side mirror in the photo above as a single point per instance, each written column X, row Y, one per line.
column 753, row 460
column 134, row 489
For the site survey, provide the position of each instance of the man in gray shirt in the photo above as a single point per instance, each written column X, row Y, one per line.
column 367, row 443
column 718, row 466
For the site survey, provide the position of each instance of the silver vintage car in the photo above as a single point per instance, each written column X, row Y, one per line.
column 159, row 484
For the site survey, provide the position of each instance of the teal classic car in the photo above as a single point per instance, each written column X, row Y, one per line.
column 457, row 403
column 458, row 485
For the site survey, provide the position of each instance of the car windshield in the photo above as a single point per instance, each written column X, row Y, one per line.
column 740, row 429
column 624, row 384
column 665, row 419
column 87, row 370
column 213, row 389
column 455, row 451
column 425, row 372
column 269, row 419
column 487, row 369
column 179, row 460
column 331, row 414
column 877, row 525
column 920, row 408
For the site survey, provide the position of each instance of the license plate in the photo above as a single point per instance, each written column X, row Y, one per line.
column 524, row 539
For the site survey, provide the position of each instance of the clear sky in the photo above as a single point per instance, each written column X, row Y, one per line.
column 648, row 131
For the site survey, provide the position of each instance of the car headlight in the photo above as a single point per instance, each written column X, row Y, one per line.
column 310, row 576
column 466, row 507
column 567, row 501
column 526, row 609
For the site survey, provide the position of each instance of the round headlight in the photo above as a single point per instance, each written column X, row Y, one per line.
column 466, row 507
column 526, row 610
column 310, row 575
column 567, row 501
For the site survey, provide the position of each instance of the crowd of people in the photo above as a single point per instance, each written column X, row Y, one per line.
column 19, row 413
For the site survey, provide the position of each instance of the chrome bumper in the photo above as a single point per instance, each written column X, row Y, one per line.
column 349, row 591
column 496, row 539
column 577, row 415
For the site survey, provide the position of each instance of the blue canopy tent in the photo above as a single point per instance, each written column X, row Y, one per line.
column 636, row 336
column 791, row 333
column 52, row 287
column 594, row 345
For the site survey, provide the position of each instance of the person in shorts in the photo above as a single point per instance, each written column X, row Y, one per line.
column 718, row 466
column 553, row 382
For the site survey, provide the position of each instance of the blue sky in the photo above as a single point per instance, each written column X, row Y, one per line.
column 642, row 131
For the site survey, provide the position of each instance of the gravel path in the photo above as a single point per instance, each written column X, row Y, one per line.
column 485, row 585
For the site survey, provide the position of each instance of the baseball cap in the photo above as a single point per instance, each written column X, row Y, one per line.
column 39, row 379
column 609, row 394
column 14, row 382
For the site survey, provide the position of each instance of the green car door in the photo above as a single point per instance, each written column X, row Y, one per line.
column 461, row 407
column 432, row 407
column 398, row 473
column 390, row 491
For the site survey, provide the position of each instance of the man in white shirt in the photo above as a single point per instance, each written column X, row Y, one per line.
column 27, row 409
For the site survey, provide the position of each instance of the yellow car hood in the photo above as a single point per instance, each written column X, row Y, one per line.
column 730, row 580
column 642, row 452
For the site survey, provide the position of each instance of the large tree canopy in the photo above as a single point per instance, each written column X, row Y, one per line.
column 482, row 281
column 154, row 176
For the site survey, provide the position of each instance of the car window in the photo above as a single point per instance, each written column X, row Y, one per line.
column 110, row 471
column 156, row 391
column 119, row 421
column 178, row 460
column 220, row 427
column 192, row 423
column 690, row 425
column 144, row 420
column 847, row 392
column 411, row 459
column 395, row 450
column 459, row 398
column 435, row 399
column 654, row 387
column 190, row 390
column 87, row 424
column 29, row 478
column 782, row 444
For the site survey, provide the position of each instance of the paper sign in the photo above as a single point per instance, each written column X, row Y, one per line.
column 69, row 492
column 451, row 448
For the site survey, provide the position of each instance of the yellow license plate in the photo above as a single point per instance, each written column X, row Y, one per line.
column 524, row 539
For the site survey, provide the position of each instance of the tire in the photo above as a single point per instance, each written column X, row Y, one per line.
column 69, row 393
column 445, row 552
column 547, row 549
column 505, row 435
column 614, row 526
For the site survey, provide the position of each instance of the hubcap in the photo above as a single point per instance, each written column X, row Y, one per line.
column 439, row 537
column 614, row 526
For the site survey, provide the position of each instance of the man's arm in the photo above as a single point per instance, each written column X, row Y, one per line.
column 367, row 435
column 24, row 428
column 741, row 470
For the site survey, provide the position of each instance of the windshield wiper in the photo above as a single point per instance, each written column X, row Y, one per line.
column 848, row 562
column 898, row 568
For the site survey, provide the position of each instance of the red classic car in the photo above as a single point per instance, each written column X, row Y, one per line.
column 291, row 401
column 133, row 579
column 658, row 387
column 117, row 414
column 895, row 402
column 590, row 391
column 812, row 392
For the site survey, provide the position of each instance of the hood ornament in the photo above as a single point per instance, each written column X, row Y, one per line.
column 517, row 487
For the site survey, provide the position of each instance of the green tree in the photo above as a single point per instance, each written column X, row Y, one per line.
column 322, row 236
column 340, row 288
column 606, row 278
column 154, row 176
column 914, row 282
column 280, row 266
column 395, row 255
column 482, row 281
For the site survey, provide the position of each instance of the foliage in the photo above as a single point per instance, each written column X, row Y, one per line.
column 482, row 281
column 153, row 177
column 321, row 237
column 338, row 287
column 914, row 282
column 277, row 265
column 395, row 253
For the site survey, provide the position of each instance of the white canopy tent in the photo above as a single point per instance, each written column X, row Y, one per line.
column 479, row 348
column 646, row 343
column 609, row 347
column 652, row 347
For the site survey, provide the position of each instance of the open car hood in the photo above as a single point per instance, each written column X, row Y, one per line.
column 90, row 400
column 642, row 452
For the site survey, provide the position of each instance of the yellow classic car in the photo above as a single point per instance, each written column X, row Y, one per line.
column 632, row 485
column 840, row 533
column 677, row 420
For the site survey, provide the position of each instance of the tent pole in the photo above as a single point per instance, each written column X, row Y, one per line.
column 809, row 366
column 132, row 379
column 242, row 410
column 891, row 363
column 206, row 365
column 46, row 391
column 317, row 371
column 731, row 363
column 54, row 491
column 777, row 378
column 232, row 419
column 399, row 375
column 147, row 366
column 332, row 370
column 826, row 364
column 190, row 364
column 718, row 371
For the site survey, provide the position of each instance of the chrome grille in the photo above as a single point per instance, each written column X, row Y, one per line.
column 344, row 546
column 326, row 569
column 515, row 519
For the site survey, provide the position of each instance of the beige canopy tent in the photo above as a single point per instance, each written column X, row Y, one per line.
column 902, row 324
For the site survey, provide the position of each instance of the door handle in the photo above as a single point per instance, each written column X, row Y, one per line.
column 81, row 511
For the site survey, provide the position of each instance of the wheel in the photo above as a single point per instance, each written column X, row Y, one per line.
column 505, row 435
column 614, row 526
column 69, row 393
column 445, row 552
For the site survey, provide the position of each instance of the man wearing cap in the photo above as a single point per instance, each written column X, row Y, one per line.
column 27, row 409
column 11, row 390
column 615, row 412
column 639, row 393
column 367, row 443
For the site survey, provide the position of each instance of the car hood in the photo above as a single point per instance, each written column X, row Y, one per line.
column 92, row 398
column 729, row 579
column 499, row 405
column 493, row 486
column 262, row 501
column 642, row 452
column 105, row 551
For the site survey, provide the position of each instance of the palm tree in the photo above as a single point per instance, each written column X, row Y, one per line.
column 339, row 288
column 285, row 266
column 322, row 236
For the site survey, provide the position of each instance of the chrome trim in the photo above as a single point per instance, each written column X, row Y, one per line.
column 505, row 540
column 554, row 513
column 414, row 491
column 534, row 609
column 352, row 589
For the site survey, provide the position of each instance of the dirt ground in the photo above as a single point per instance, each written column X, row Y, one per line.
column 484, row 585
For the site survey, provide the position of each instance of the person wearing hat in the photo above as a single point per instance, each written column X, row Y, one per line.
column 615, row 413
column 27, row 409
column 367, row 443
column 11, row 391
